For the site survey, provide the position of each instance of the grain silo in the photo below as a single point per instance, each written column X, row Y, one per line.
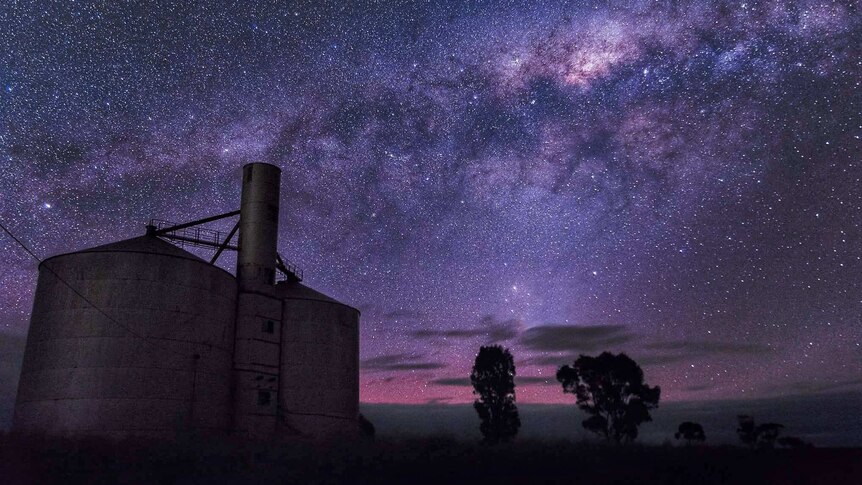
column 141, row 337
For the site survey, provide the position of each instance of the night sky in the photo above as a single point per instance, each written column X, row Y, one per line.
column 679, row 180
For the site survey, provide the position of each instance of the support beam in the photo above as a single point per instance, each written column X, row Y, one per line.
column 163, row 232
column 225, row 243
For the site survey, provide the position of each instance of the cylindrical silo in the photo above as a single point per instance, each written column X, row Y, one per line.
column 258, row 225
column 258, row 311
column 130, row 338
column 319, row 391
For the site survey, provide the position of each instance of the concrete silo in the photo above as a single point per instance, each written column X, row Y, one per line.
column 134, row 337
column 320, row 361
column 257, row 348
column 140, row 337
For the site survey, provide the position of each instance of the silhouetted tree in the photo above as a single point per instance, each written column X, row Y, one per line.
column 747, row 431
column 612, row 390
column 690, row 432
column 493, row 379
column 767, row 433
column 754, row 435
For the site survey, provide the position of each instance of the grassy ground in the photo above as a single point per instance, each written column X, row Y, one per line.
column 412, row 461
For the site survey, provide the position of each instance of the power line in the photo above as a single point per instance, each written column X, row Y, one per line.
column 20, row 243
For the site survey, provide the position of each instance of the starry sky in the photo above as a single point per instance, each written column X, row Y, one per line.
column 678, row 180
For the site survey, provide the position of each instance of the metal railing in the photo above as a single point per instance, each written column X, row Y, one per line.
column 199, row 237
column 287, row 271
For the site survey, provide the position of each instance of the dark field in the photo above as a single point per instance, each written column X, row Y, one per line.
column 413, row 461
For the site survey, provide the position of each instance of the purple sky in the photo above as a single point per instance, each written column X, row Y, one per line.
column 677, row 180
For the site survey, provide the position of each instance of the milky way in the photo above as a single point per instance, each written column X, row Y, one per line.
column 677, row 180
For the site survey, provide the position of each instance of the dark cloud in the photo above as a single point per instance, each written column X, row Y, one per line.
column 569, row 338
column 817, row 386
column 675, row 351
column 552, row 359
column 451, row 381
column 490, row 329
column 647, row 359
column 699, row 387
column 374, row 310
column 400, row 362
column 384, row 380
column 523, row 380
column 703, row 347
column 558, row 346
column 465, row 382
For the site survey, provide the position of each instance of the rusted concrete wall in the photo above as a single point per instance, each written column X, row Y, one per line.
column 86, row 374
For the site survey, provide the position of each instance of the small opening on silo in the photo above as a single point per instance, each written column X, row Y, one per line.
column 268, row 326
column 263, row 398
